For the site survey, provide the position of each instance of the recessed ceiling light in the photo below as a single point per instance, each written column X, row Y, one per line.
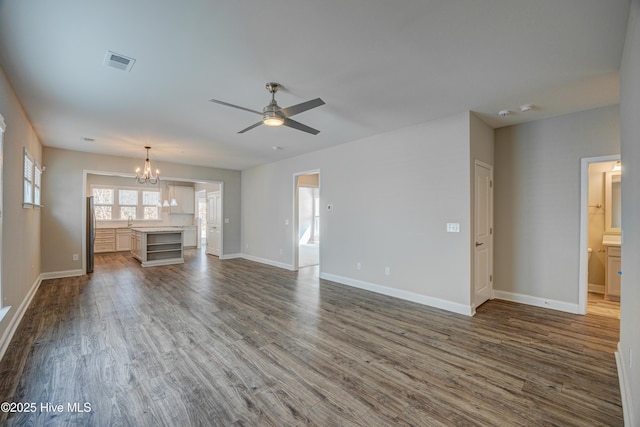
column 277, row 148
column 526, row 107
column 504, row 113
column 86, row 139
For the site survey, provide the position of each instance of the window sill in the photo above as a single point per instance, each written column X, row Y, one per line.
column 31, row 206
column 4, row 311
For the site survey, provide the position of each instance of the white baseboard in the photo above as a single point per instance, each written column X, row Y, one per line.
column 398, row 293
column 598, row 289
column 15, row 321
column 268, row 262
column 537, row 301
column 230, row 256
column 625, row 392
column 61, row 274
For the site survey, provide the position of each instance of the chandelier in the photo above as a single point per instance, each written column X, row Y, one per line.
column 147, row 176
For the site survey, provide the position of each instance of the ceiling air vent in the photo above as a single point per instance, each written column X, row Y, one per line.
column 118, row 61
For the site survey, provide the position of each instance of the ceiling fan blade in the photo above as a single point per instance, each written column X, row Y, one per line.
column 251, row 127
column 297, row 125
column 299, row 108
column 235, row 106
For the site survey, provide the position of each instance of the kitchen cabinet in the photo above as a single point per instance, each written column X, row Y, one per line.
column 611, row 276
column 157, row 246
column 185, row 197
column 105, row 240
column 123, row 239
column 112, row 240
column 136, row 245
column 190, row 237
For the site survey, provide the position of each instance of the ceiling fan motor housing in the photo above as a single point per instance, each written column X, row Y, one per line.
column 271, row 115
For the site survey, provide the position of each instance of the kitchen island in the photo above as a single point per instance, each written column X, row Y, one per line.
column 157, row 246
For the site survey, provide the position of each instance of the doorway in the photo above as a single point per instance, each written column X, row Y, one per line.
column 201, row 211
column 600, row 236
column 214, row 223
column 307, row 219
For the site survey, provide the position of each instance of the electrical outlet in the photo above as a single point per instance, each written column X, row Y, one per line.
column 226, row 220
column 387, row 271
column 358, row 266
column 75, row 257
column 286, row 222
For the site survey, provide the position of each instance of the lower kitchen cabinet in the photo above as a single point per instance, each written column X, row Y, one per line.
column 123, row 239
column 105, row 240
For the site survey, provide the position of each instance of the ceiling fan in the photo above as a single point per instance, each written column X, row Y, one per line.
column 274, row 115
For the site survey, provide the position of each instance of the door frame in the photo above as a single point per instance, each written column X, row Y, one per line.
column 87, row 172
column 220, row 243
column 583, row 263
column 294, row 230
column 480, row 163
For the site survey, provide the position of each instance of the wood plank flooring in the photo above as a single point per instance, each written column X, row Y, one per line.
column 234, row 342
column 596, row 304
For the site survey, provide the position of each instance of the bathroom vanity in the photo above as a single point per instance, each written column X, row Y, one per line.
column 612, row 267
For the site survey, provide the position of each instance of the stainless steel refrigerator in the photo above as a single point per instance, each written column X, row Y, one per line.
column 91, row 233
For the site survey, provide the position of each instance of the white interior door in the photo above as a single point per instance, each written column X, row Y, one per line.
column 214, row 215
column 483, row 252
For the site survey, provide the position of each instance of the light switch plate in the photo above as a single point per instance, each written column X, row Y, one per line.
column 453, row 227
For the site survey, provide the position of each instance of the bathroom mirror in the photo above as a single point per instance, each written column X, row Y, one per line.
column 612, row 202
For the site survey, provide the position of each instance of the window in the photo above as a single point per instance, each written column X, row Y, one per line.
column 37, row 180
column 126, row 204
column 103, row 203
column 28, row 179
column 32, row 180
column 151, row 203
column 128, row 201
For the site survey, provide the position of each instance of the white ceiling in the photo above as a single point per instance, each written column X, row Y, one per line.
column 379, row 65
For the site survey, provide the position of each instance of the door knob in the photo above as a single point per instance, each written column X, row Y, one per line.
column 478, row 244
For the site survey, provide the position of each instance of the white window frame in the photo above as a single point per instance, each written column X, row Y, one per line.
column 122, row 205
column 158, row 206
column 3, row 127
column 115, row 207
column 32, row 180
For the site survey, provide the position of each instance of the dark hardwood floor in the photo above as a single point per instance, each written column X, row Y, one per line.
column 238, row 343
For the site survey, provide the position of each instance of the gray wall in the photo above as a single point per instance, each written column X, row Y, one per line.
column 537, row 200
column 421, row 177
column 630, row 151
column 62, row 194
column 20, row 226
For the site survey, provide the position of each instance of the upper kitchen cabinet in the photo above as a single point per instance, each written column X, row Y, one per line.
column 185, row 197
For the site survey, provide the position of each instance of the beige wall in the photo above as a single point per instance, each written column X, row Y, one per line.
column 20, row 227
column 62, row 218
column 422, row 181
column 629, row 348
column 537, row 200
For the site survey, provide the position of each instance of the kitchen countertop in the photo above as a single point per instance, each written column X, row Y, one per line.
column 124, row 227
column 157, row 229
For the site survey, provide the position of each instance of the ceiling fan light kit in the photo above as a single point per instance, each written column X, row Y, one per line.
column 273, row 115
